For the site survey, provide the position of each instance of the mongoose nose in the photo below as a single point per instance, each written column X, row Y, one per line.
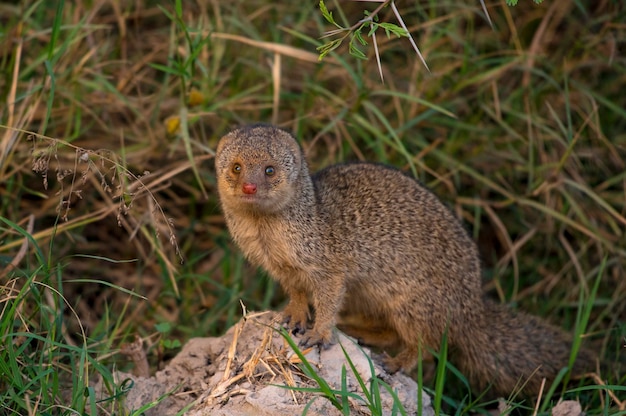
column 249, row 188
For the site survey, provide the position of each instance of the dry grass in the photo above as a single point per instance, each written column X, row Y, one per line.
column 112, row 111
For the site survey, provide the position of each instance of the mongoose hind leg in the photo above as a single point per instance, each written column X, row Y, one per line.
column 381, row 338
column 375, row 331
column 405, row 360
column 415, row 337
column 369, row 331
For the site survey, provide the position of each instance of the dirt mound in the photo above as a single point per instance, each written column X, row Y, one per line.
column 246, row 371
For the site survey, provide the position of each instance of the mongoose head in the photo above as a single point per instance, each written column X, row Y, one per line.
column 259, row 169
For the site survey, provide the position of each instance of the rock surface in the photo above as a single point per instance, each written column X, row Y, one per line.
column 246, row 371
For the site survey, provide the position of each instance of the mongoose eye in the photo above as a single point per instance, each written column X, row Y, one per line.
column 269, row 171
column 236, row 168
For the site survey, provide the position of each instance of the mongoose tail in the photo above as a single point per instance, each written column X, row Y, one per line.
column 515, row 351
column 503, row 353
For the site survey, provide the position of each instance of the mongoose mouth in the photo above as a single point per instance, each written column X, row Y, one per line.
column 253, row 204
column 249, row 199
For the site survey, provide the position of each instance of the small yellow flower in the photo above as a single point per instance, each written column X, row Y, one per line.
column 195, row 97
column 172, row 125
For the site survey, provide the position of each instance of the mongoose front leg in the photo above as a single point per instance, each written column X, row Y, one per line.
column 327, row 301
column 296, row 314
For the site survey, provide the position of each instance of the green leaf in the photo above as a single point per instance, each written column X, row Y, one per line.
column 327, row 48
column 168, row 70
column 171, row 343
column 391, row 28
column 179, row 9
column 359, row 37
column 373, row 27
column 328, row 15
column 166, row 13
column 354, row 50
column 163, row 327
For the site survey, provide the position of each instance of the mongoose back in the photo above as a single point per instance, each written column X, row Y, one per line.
column 366, row 240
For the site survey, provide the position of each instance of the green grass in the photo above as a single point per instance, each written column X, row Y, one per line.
column 45, row 369
column 371, row 392
column 104, row 160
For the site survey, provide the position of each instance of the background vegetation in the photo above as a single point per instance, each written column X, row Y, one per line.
column 109, row 223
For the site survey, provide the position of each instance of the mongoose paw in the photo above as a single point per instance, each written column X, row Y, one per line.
column 315, row 338
column 391, row 364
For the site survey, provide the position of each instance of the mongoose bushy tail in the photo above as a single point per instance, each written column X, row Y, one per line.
column 515, row 351
column 366, row 240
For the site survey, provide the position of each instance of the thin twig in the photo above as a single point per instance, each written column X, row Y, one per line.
column 482, row 3
column 380, row 68
column 399, row 17
column 543, row 385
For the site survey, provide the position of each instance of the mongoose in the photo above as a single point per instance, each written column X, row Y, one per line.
column 363, row 239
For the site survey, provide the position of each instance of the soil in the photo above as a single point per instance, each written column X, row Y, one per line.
column 252, row 370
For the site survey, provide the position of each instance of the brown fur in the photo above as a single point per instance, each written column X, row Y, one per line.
column 367, row 241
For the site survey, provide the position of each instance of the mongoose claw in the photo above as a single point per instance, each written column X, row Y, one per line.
column 295, row 329
column 295, row 318
column 295, row 326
